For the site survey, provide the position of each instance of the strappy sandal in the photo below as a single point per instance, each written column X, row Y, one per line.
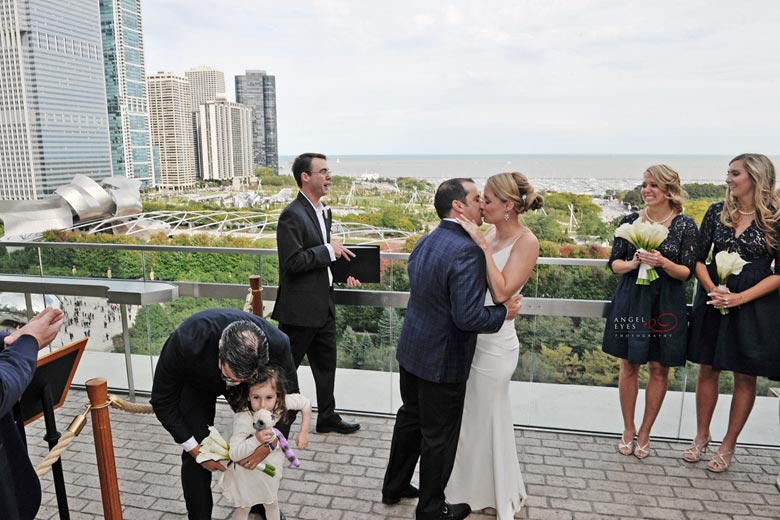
column 626, row 448
column 694, row 452
column 718, row 464
column 642, row 452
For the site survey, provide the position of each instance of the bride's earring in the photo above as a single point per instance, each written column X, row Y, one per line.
column 506, row 216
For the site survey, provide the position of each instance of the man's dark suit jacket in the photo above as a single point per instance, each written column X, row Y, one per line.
column 20, row 489
column 189, row 365
column 304, row 298
column 446, row 306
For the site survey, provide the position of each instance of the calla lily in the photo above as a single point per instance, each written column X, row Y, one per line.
column 213, row 447
column 644, row 237
column 727, row 264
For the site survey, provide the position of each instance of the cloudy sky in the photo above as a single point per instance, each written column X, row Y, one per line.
column 494, row 76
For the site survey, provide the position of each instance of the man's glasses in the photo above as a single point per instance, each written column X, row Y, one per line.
column 229, row 381
column 324, row 171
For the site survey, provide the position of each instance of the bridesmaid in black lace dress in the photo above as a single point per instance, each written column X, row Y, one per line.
column 648, row 323
column 747, row 339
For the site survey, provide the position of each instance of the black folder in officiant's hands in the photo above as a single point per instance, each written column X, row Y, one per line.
column 364, row 266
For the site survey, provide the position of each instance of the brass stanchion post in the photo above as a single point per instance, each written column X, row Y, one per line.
column 97, row 390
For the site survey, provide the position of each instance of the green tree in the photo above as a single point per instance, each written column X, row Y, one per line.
column 389, row 327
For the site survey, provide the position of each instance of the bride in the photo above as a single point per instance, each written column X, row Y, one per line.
column 486, row 471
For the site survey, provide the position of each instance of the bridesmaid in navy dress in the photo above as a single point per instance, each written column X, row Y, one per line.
column 746, row 340
column 659, row 339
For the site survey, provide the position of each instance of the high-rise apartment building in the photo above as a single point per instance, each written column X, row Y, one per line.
column 125, row 72
column 53, row 121
column 170, row 119
column 257, row 90
column 205, row 84
column 225, row 140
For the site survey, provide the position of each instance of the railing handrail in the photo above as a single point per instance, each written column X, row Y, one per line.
column 591, row 262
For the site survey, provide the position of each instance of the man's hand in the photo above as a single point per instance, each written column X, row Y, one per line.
column 339, row 250
column 43, row 327
column 255, row 458
column 353, row 282
column 513, row 306
column 211, row 465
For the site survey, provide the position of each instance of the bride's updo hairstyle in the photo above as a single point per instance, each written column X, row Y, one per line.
column 515, row 188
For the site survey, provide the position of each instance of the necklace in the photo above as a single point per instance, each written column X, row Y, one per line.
column 647, row 216
column 746, row 213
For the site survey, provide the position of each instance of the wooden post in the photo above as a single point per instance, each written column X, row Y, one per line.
column 255, row 285
column 97, row 389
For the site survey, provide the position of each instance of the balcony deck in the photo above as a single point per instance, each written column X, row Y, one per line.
column 568, row 476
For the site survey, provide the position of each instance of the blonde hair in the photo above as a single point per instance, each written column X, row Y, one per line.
column 514, row 187
column 765, row 199
column 668, row 182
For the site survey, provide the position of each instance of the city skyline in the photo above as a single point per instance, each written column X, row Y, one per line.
column 596, row 76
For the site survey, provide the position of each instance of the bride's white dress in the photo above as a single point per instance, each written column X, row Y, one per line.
column 486, row 471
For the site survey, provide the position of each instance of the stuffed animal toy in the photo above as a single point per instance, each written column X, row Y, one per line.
column 264, row 420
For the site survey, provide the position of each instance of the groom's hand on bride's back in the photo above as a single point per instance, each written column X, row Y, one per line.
column 513, row 305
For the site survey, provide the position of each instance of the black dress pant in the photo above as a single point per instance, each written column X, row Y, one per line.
column 427, row 427
column 318, row 344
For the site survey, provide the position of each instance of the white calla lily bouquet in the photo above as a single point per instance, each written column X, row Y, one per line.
column 728, row 264
column 215, row 447
column 644, row 237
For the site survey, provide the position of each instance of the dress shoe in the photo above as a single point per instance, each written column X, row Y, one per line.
column 409, row 492
column 455, row 511
column 341, row 426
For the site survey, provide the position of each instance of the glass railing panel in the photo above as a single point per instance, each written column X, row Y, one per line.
column 762, row 426
column 562, row 379
column 19, row 260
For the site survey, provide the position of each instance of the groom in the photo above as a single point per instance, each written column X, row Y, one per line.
column 446, row 310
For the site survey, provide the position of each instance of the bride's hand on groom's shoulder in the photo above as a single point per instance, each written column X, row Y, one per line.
column 473, row 230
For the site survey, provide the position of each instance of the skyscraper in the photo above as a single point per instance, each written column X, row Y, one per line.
column 225, row 140
column 257, row 90
column 52, row 96
column 128, row 112
column 205, row 83
column 170, row 119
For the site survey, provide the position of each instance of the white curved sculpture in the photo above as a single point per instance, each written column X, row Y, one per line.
column 83, row 200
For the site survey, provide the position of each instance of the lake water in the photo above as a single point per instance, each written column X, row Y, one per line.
column 589, row 174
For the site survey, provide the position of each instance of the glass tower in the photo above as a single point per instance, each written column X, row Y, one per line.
column 257, row 90
column 53, row 121
column 128, row 110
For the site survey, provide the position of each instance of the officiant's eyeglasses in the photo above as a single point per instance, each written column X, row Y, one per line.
column 324, row 171
column 229, row 381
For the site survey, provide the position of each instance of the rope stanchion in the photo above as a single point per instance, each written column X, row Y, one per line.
column 78, row 423
column 97, row 389
column 256, row 291
column 127, row 406
column 73, row 431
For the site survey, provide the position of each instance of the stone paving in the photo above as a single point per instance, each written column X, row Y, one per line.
column 568, row 476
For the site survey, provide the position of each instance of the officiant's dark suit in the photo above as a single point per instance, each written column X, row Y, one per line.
column 187, row 381
column 305, row 305
column 446, row 310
